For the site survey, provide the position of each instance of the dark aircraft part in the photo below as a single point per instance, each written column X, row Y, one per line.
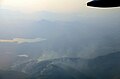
column 104, row 3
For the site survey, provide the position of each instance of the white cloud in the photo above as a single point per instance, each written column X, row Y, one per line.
column 22, row 40
column 26, row 56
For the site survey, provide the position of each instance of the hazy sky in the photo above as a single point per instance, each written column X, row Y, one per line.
column 58, row 6
column 49, row 5
column 52, row 10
